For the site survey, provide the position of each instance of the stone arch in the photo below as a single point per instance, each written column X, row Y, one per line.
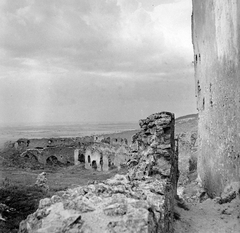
column 81, row 158
column 52, row 160
column 31, row 157
column 94, row 164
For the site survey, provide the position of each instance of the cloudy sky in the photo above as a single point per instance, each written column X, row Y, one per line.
column 94, row 60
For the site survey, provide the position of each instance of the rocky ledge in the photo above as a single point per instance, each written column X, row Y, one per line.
column 141, row 201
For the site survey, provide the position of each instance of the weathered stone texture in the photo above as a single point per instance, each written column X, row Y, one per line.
column 216, row 42
column 116, row 205
column 157, row 157
column 42, row 182
column 141, row 201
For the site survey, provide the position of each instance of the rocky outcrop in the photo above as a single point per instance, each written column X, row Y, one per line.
column 141, row 201
column 216, row 36
column 116, row 205
column 42, row 182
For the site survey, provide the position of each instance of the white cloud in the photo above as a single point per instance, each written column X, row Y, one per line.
column 107, row 49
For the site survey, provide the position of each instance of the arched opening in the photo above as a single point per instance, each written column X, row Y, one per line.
column 89, row 159
column 81, row 158
column 52, row 160
column 94, row 164
column 30, row 158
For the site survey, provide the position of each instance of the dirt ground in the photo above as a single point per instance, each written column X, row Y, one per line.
column 208, row 216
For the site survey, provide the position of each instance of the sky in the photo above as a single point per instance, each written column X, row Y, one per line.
column 94, row 60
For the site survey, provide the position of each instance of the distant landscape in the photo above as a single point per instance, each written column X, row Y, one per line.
column 123, row 130
column 17, row 183
column 13, row 133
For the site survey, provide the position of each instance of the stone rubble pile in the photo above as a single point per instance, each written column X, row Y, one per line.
column 141, row 201
column 116, row 205
column 42, row 182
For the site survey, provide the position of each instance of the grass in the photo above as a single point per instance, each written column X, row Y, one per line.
column 24, row 199
column 17, row 189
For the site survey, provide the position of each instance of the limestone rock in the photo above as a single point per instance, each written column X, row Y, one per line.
column 141, row 201
column 42, row 182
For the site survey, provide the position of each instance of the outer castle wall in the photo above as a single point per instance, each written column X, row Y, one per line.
column 216, row 42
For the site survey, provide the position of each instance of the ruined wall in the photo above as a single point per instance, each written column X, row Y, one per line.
column 40, row 143
column 63, row 155
column 74, row 150
column 118, row 141
column 141, row 201
column 110, row 154
column 157, row 158
column 216, row 42
column 64, row 150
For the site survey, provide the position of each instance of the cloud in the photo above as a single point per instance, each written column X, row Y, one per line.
column 103, row 36
column 72, row 54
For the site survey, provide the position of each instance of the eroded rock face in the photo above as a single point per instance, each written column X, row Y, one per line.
column 141, row 201
column 156, row 146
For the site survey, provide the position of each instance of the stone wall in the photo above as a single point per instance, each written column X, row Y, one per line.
column 141, row 201
column 40, row 143
column 216, row 42
column 157, row 158
column 107, row 153
column 63, row 155
column 66, row 150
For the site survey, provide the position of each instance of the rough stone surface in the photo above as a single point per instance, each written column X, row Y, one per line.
column 53, row 151
column 216, row 36
column 42, row 182
column 116, row 205
column 141, row 201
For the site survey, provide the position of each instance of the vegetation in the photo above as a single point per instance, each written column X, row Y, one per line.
column 22, row 199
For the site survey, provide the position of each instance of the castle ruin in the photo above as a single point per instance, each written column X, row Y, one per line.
column 216, row 41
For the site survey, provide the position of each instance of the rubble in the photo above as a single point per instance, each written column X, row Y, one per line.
column 42, row 182
column 141, row 201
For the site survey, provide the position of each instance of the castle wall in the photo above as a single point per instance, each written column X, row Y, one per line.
column 76, row 157
column 105, row 166
column 157, row 158
column 88, row 160
column 69, row 150
column 63, row 154
column 216, row 42
column 24, row 143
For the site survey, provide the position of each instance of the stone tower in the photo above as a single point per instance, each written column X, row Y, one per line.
column 216, row 43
